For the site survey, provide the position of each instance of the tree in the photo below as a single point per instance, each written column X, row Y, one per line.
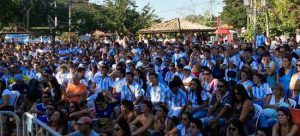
column 234, row 13
column 283, row 17
column 124, row 19
column 10, row 13
column 203, row 20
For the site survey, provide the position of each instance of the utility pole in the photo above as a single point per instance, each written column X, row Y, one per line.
column 55, row 18
column 265, row 4
column 247, row 4
column 255, row 23
column 70, row 15
column 210, row 8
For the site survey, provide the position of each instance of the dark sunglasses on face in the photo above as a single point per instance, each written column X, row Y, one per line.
column 298, row 65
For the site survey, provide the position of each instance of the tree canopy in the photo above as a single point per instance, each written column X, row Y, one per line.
column 120, row 16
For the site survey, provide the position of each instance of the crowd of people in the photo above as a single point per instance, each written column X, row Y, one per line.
column 154, row 88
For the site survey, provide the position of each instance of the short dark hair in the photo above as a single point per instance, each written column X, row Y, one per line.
column 224, row 82
column 130, row 73
column 180, row 66
column 153, row 74
column 248, row 49
column 128, row 104
column 148, row 103
column 173, row 84
column 197, row 122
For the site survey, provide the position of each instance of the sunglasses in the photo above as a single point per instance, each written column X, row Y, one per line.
column 298, row 65
column 232, row 129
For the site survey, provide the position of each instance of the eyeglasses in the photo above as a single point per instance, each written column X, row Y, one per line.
column 298, row 65
column 232, row 129
column 116, row 129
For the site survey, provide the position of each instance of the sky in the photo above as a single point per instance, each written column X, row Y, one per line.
column 169, row 9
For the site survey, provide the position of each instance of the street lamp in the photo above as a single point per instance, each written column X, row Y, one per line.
column 265, row 5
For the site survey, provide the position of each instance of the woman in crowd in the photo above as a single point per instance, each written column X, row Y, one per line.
column 235, row 128
column 55, row 90
column 268, row 115
column 267, row 69
column 285, row 74
column 295, row 83
column 58, row 122
column 285, row 125
column 244, row 110
column 182, row 128
column 72, row 108
column 140, row 78
column 197, row 100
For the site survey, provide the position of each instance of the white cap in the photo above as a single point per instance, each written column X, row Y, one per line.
column 101, row 63
column 187, row 67
column 128, row 61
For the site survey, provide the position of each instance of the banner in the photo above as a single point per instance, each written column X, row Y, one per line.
column 16, row 38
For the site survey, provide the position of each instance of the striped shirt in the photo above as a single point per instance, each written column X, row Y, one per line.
column 155, row 92
column 204, row 62
column 246, row 84
column 261, row 91
column 131, row 92
column 103, row 83
column 253, row 64
column 118, row 84
column 169, row 75
column 192, row 97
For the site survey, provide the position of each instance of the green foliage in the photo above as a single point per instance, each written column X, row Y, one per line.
column 203, row 20
column 119, row 16
column 283, row 17
column 234, row 13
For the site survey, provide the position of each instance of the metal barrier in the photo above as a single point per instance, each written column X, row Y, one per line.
column 13, row 115
column 31, row 126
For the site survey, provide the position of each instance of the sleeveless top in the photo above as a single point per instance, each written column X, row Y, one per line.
column 250, row 121
column 271, row 79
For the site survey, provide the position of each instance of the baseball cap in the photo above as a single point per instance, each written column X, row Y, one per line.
column 187, row 67
column 18, row 77
column 84, row 120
